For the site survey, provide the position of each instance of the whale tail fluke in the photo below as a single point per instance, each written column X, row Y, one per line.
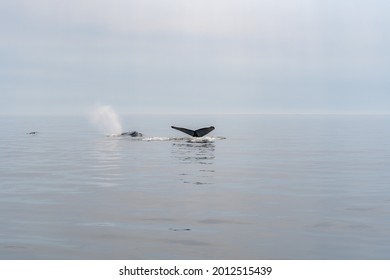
column 203, row 131
column 195, row 133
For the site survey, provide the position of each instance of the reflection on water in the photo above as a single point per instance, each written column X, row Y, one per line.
column 106, row 164
column 195, row 159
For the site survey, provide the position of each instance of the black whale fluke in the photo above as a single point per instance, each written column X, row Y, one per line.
column 195, row 133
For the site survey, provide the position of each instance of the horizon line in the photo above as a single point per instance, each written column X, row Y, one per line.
column 206, row 113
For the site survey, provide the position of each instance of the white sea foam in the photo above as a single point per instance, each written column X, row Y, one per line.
column 156, row 138
column 186, row 139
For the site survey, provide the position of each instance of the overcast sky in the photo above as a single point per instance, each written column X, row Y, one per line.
column 203, row 56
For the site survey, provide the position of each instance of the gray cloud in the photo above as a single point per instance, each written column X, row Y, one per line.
column 199, row 56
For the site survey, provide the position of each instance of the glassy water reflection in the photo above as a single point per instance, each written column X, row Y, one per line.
column 196, row 161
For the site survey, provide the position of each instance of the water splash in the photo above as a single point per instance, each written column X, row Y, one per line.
column 107, row 120
column 206, row 139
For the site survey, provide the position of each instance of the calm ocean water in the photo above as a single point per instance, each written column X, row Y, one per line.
column 260, row 187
